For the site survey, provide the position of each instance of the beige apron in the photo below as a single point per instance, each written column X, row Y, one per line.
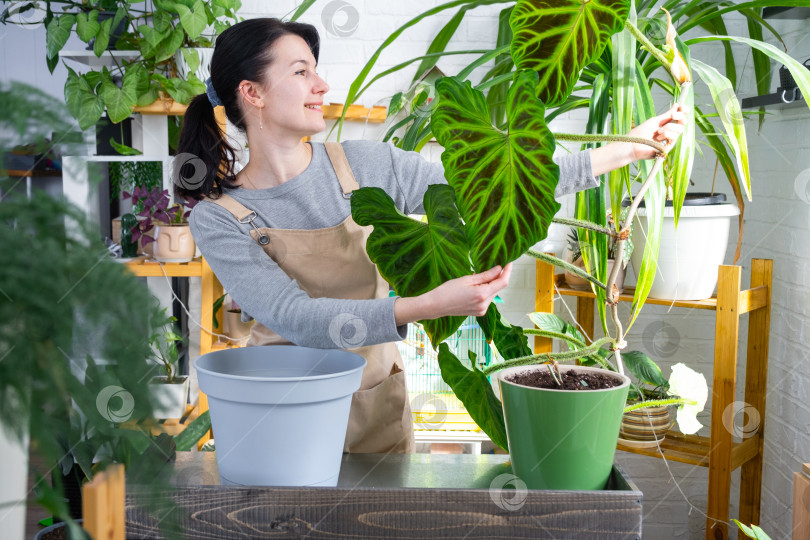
column 333, row 263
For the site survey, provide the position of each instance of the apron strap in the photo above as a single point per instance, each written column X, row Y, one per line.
column 242, row 214
column 341, row 165
column 239, row 210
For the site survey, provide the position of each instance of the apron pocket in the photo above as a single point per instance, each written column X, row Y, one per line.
column 380, row 418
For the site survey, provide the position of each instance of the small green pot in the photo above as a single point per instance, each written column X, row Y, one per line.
column 562, row 439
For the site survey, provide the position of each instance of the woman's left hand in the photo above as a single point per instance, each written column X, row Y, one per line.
column 665, row 128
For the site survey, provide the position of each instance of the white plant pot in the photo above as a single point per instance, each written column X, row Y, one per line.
column 688, row 258
column 203, row 71
column 13, row 487
column 170, row 398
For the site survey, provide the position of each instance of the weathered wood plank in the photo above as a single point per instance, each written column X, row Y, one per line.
column 392, row 496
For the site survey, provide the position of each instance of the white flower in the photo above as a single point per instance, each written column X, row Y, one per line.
column 691, row 385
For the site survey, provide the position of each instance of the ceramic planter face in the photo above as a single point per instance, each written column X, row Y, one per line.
column 561, row 439
column 173, row 243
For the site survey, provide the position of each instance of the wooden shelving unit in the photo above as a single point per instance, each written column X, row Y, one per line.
column 719, row 452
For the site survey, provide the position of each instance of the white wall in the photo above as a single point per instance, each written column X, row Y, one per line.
column 776, row 226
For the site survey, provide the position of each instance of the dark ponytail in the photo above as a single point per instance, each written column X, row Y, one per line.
column 205, row 161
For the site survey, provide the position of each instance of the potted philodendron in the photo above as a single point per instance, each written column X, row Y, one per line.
column 164, row 224
column 499, row 201
column 651, row 399
column 169, row 389
column 615, row 86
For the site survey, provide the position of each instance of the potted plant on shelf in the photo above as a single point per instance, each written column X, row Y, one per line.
column 499, row 202
column 169, row 389
column 155, row 32
column 171, row 235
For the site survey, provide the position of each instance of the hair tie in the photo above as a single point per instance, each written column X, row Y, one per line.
column 213, row 98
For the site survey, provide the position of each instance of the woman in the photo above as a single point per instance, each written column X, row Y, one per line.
column 279, row 234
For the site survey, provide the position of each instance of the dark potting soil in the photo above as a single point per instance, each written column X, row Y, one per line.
column 56, row 534
column 571, row 380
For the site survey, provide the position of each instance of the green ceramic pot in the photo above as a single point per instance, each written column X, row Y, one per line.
column 562, row 439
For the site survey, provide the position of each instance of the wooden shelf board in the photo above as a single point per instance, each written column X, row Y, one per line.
column 146, row 267
column 694, row 449
column 627, row 296
column 356, row 113
column 168, row 107
column 745, row 451
column 16, row 173
column 753, row 299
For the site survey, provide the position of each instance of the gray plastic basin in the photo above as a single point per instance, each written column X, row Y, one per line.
column 279, row 413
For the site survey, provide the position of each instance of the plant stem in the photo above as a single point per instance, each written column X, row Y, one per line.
column 582, row 224
column 658, row 403
column 566, row 265
column 575, row 137
column 647, row 44
column 533, row 358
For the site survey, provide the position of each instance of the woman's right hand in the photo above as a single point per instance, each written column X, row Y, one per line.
column 467, row 295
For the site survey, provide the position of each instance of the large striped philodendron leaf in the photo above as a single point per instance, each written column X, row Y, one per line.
column 504, row 180
column 413, row 256
column 557, row 38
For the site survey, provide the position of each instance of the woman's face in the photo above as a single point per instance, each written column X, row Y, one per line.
column 293, row 91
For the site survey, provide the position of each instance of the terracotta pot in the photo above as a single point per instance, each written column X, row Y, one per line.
column 636, row 425
column 173, row 243
column 234, row 328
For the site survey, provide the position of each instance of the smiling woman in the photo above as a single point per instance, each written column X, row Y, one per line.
column 279, row 234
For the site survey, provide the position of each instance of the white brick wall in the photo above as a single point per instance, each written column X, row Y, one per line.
column 776, row 226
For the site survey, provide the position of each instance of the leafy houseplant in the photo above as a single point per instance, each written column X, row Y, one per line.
column 501, row 179
column 172, row 236
column 169, row 389
column 157, row 30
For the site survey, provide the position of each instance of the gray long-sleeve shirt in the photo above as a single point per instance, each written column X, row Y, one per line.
column 314, row 200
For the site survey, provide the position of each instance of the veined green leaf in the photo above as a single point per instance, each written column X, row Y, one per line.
column 413, row 256
column 167, row 47
column 643, row 368
column 192, row 58
column 731, row 116
column 553, row 323
column 119, row 101
column 473, row 389
column 193, row 20
column 57, row 32
column 510, row 340
column 87, row 25
column 800, row 73
column 558, row 39
column 654, row 202
column 102, row 38
column 82, row 101
column 505, row 182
